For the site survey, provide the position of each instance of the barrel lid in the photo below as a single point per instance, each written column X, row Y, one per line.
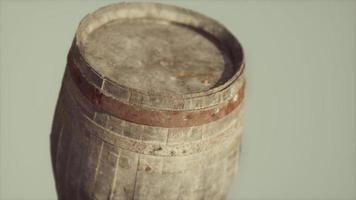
column 150, row 51
column 157, row 48
column 157, row 56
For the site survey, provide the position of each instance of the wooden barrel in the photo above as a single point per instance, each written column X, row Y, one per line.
column 150, row 106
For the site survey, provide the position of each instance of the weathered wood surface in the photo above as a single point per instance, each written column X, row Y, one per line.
column 184, row 145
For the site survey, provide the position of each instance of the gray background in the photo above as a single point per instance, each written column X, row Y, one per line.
column 299, row 139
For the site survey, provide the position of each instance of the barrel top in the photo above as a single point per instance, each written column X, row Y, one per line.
column 148, row 55
column 157, row 48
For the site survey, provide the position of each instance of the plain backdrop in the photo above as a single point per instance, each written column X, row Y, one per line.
column 300, row 134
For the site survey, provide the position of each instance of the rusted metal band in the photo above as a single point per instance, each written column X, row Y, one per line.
column 141, row 115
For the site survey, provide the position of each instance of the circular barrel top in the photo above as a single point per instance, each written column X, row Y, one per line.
column 159, row 49
column 157, row 56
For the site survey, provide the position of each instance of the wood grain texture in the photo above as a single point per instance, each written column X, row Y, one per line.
column 112, row 141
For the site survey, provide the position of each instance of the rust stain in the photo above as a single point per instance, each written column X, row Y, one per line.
column 147, row 169
column 184, row 74
column 206, row 82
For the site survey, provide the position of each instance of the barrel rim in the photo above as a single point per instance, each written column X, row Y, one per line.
column 114, row 11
